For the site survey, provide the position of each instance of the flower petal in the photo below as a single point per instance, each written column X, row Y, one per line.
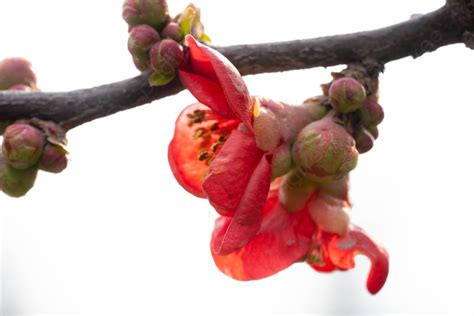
column 207, row 65
column 184, row 149
column 284, row 238
column 342, row 251
column 230, row 172
column 248, row 216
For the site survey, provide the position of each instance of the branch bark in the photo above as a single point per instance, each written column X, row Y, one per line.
column 453, row 23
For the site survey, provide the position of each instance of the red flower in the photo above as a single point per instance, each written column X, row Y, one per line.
column 285, row 238
column 213, row 153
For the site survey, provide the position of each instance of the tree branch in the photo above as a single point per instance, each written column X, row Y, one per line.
column 453, row 23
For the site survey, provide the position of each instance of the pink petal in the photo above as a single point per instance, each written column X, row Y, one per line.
column 209, row 64
column 284, row 238
column 342, row 251
column 248, row 216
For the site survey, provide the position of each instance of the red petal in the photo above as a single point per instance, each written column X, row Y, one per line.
column 248, row 216
column 342, row 251
column 230, row 172
column 184, row 149
column 284, row 238
column 210, row 65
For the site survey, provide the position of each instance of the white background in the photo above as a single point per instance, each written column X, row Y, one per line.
column 115, row 234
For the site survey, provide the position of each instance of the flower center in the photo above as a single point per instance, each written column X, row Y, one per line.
column 210, row 133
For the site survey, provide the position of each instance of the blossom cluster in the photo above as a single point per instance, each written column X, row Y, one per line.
column 276, row 174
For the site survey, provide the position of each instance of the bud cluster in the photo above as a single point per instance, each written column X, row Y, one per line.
column 29, row 146
column 354, row 96
column 155, row 39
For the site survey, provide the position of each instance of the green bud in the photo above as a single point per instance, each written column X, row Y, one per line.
column 281, row 161
column 346, row 95
column 53, row 159
column 151, row 12
column 15, row 71
column 15, row 182
column 22, row 145
column 324, row 151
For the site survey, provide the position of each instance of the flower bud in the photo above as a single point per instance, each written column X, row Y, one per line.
column 324, row 151
column 281, row 161
column 53, row 159
column 173, row 32
column 22, row 145
column 141, row 38
column 346, row 95
column 266, row 129
column 166, row 56
column 15, row 182
column 15, row 71
column 371, row 113
column 374, row 131
column 364, row 141
column 330, row 213
column 296, row 191
column 151, row 12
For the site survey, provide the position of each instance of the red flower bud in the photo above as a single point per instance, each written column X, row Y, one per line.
column 141, row 38
column 347, row 95
column 22, row 145
column 151, row 12
column 372, row 113
column 53, row 159
column 324, row 151
column 166, row 56
column 364, row 141
column 15, row 182
column 15, row 71
column 173, row 32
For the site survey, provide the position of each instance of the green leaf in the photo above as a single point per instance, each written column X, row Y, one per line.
column 159, row 79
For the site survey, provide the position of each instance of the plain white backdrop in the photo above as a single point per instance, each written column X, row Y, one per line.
column 114, row 234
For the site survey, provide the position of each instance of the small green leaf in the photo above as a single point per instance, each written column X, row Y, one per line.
column 159, row 79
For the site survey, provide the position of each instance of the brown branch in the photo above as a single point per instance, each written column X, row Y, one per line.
column 450, row 24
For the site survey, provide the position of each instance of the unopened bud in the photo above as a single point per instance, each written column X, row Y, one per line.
column 53, row 159
column 364, row 141
column 330, row 214
column 371, row 113
column 346, row 95
column 151, row 12
column 266, row 129
column 15, row 71
column 166, row 56
column 281, row 161
column 173, row 32
column 15, row 182
column 296, row 191
column 141, row 38
column 324, row 151
column 22, row 145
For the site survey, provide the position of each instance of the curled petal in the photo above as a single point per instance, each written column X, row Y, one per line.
column 230, row 173
column 206, row 65
column 284, row 238
column 342, row 251
column 248, row 216
column 184, row 149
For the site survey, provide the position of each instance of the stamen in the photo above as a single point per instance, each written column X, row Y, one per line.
column 203, row 155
